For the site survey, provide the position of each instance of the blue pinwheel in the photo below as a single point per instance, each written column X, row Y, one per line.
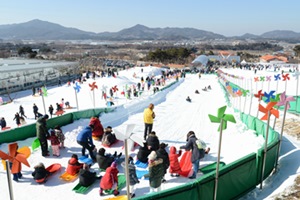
column 269, row 96
column 77, row 87
column 277, row 77
column 227, row 83
column 235, row 89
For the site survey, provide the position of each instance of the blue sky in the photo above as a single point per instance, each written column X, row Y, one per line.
column 231, row 17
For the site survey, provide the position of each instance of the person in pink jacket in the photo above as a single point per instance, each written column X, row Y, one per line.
column 175, row 168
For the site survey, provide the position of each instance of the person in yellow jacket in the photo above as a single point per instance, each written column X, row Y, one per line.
column 149, row 115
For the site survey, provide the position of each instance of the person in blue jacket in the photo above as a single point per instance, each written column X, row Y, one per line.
column 84, row 139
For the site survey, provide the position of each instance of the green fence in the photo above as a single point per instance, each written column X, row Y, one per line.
column 235, row 179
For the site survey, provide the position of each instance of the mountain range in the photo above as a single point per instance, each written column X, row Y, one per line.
column 43, row 30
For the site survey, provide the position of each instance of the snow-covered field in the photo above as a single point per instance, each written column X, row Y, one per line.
column 174, row 118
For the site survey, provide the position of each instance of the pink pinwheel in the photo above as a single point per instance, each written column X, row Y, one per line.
column 284, row 99
column 268, row 78
column 285, row 77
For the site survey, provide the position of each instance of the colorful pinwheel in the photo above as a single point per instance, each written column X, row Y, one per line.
column 115, row 89
column 262, row 78
column 256, row 79
column 14, row 157
column 268, row 108
column 285, row 77
column 93, row 86
column 268, row 78
column 222, row 115
column 277, row 77
column 269, row 96
column 77, row 87
column 245, row 92
column 44, row 91
column 284, row 99
column 234, row 90
column 296, row 75
column 259, row 95
column 239, row 93
column 227, row 83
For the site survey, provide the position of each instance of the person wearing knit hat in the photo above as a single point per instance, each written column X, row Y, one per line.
column 156, row 172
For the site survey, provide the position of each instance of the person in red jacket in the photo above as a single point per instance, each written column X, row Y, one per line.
column 110, row 180
column 98, row 130
column 175, row 168
column 73, row 165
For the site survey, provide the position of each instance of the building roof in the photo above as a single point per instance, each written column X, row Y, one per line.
column 19, row 64
column 269, row 58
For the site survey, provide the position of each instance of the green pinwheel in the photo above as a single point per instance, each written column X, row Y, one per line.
column 222, row 115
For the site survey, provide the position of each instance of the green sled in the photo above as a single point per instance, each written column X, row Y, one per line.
column 81, row 189
column 211, row 167
column 121, row 184
column 35, row 144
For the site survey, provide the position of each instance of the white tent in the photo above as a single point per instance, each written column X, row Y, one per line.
column 243, row 62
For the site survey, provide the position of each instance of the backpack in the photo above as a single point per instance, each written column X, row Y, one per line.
column 201, row 147
column 200, row 144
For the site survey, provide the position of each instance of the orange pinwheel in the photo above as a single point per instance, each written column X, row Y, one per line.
column 93, row 86
column 14, row 157
column 268, row 108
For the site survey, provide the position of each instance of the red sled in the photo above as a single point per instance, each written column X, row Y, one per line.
column 51, row 169
column 186, row 164
column 108, row 146
column 60, row 112
column 5, row 128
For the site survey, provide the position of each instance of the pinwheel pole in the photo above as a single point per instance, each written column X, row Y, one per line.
column 251, row 89
column 222, row 118
column 125, row 137
column 297, row 77
column 11, row 194
column 44, row 103
column 76, row 99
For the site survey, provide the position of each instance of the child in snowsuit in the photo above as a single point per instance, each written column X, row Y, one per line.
column 133, row 179
column 175, row 168
column 73, row 165
column 60, row 136
column 40, row 173
column 110, row 180
column 54, row 143
column 108, row 138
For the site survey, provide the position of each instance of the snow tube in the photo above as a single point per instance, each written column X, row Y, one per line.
column 186, row 164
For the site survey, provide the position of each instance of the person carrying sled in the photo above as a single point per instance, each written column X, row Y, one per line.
column 98, row 128
column 109, row 137
column 110, row 180
column 73, row 165
column 86, row 177
column 149, row 116
column 196, row 154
